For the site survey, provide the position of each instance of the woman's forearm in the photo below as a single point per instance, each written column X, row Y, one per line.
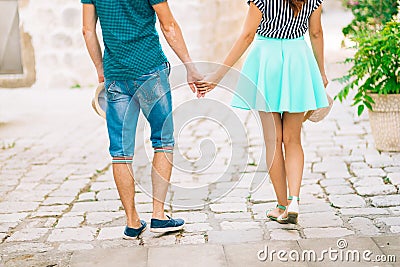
column 238, row 49
column 250, row 27
column 251, row 24
column 317, row 43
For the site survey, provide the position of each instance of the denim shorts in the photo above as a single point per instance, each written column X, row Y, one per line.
column 150, row 93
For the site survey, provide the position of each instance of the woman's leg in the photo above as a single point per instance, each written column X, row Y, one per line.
column 294, row 156
column 272, row 128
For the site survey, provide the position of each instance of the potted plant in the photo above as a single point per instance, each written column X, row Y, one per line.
column 375, row 75
column 369, row 15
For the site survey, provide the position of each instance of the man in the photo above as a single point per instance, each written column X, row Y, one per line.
column 135, row 74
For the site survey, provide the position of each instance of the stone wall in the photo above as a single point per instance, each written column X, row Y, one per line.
column 209, row 27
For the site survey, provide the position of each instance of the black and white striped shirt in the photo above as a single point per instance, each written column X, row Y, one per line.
column 279, row 21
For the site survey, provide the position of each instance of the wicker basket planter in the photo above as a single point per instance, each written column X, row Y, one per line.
column 385, row 122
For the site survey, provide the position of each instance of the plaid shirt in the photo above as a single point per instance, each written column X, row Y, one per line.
column 131, row 42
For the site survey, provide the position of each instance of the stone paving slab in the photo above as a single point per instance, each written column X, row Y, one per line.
column 390, row 245
column 246, row 255
column 270, row 253
column 187, row 256
column 121, row 257
column 343, row 244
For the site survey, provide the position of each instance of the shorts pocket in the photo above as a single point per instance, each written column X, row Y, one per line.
column 151, row 90
column 114, row 90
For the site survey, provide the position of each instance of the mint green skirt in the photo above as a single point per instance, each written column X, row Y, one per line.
column 280, row 75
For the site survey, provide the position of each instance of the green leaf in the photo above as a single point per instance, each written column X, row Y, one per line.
column 369, row 99
column 357, row 102
column 375, row 65
column 368, row 105
column 360, row 109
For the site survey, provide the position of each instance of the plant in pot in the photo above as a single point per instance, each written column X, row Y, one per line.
column 375, row 76
column 369, row 15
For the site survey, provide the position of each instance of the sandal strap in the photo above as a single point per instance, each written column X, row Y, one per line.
column 281, row 207
column 291, row 198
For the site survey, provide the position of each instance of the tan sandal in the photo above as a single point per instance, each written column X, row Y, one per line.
column 273, row 217
column 292, row 212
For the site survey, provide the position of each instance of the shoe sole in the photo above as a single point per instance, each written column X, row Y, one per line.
column 282, row 221
column 272, row 218
column 292, row 217
column 127, row 237
column 167, row 229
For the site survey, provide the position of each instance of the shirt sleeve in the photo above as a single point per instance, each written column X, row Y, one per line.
column 155, row 2
column 317, row 4
column 259, row 4
column 87, row 2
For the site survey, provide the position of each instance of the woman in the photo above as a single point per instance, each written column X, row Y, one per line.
column 289, row 80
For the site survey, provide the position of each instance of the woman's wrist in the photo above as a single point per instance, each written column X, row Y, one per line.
column 221, row 72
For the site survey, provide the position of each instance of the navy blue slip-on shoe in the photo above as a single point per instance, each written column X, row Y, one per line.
column 163, row 226
column 133, row 233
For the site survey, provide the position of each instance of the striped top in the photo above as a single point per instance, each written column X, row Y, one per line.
column 279, row 21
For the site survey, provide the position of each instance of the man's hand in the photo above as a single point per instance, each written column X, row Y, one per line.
column 193, row 76
column 173, row 34
column 100, row 73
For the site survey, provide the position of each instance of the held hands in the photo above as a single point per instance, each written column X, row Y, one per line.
column 207, row 84
column 199, row 83
column 193, row 76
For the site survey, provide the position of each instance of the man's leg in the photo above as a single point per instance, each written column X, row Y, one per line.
column 160, row 177
column 123, row 176
column 122, row 115
column 156, row 103
column 154, row 95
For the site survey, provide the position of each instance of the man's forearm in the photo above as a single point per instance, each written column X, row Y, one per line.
column 174, row 37
column 93, row 47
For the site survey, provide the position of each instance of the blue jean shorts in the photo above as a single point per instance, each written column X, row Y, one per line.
column 150, row 93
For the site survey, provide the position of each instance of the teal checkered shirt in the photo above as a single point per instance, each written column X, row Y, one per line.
column 131, row 42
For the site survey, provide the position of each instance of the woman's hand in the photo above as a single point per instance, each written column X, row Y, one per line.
column 325, row 80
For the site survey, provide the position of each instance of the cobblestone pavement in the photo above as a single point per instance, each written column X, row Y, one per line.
column 57, row 194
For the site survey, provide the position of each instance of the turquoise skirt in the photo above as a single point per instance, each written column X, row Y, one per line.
column 280, row 75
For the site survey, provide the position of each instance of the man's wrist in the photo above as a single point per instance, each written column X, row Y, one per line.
column 190, row 66
column 98, row 65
